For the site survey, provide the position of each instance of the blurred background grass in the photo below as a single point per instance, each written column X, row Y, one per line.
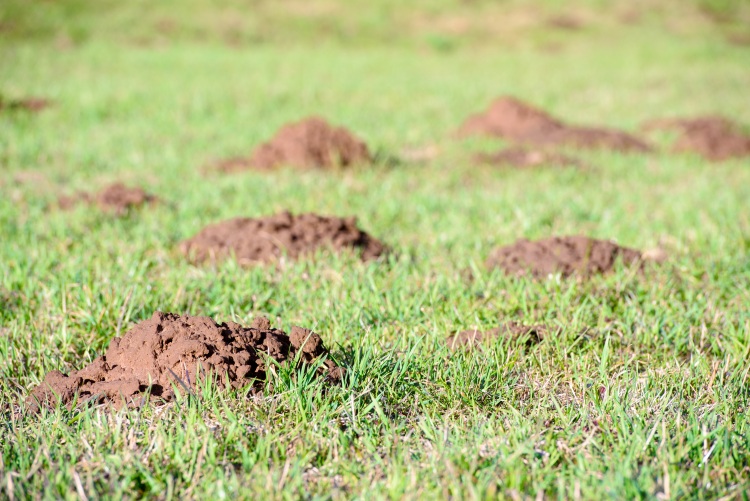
column 439, row 24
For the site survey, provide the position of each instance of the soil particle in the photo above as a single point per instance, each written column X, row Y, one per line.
column 713, row 137
column 171, row 350
column 309, row 143
column 524, row 158
column 565, row 255
column 116, row 198
column 472, row 337
column 266, row 239
column 512, row 119
column 32, row 104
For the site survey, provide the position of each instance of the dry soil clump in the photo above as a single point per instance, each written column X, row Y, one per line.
column 266, row 239
column 172, row 351
column 565, row 255
column 115, row 198
column 473, row 337
column 713, row 137
column 524, row 158
column 309, row 143
column 512, row 119
column 32, row 104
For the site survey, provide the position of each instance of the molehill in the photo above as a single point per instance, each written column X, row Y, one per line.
column 171, row 351
column 267, row 239
column 565, row 255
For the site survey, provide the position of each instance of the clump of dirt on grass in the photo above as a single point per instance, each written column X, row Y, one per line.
column 115, row 198
column 565, row 255
column 713, row 137
column 31, row 104
column 309, row 143
column 473, row 337
column 512, row 119
column 171, row 350
column 522, row 157
column 267, row 239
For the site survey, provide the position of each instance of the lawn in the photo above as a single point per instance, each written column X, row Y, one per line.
column 642, row 391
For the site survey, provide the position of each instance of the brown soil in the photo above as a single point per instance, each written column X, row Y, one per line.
column 116, row 198
column 565, row 22
column 564, row 255
column 33, row 104
column 524, row 158
column 472, row 337
column 517, row 121
column 713, row 137
column 266, row 239
column 309, row 143
column 170, row 350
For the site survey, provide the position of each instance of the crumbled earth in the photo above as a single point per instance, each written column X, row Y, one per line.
column 512, row 119
column 171, row 351
column 524, row 158
column 309, row 143
column 33, row 104
column 267, row 239
column 473, row 337
column 713, row 137
column 565, row 255
column 115, row 198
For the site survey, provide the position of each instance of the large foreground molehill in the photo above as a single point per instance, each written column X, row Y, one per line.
column 512, row 119
column 309, row 143
column 267, row 239
column 171, row 350
column 565, row 255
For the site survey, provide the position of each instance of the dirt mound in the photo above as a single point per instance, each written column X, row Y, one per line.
column 564, row 255
column 309, row 143
column 116, row 198
column 525, row 158
column 33, row 104
column 512, row 119
column 170, row 350
column 713, row 137
column 266, row 239
column 513, row 330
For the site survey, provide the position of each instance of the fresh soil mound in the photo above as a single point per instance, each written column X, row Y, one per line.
column 309, row 143
column 713, row 137
column 266, row 239
column 32, row 104
column 512, row 119
column 564, row 255
column 469, row 338
column 524, row 158
column 170, row 350
column 116, row 198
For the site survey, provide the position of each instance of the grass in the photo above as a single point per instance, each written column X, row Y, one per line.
column 644, row 393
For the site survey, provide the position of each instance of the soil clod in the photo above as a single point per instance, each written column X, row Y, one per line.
column 472, row 337
column 116, row 198
column 713, row 137
column 171, row 351
column 512, row 119
column 267, row 239
column 309, row 143
column 565, row 255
